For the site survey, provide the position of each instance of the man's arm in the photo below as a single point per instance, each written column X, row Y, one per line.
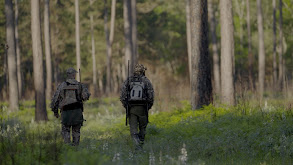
column 56, row 100
column 123, row 93
column 150, row 93
column 85, row 94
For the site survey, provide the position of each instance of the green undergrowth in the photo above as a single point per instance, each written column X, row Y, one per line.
column 243, row 134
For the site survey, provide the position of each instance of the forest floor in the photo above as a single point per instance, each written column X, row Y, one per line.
column 243, row 134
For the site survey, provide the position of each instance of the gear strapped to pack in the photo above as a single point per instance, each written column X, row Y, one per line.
column 71, row 95
column 137, row 91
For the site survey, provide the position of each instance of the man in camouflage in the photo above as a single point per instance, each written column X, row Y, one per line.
column 69, row 99
column 137, row 110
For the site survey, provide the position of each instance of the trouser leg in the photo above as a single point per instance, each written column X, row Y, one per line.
column 133, row 123
column 66, row 133
column 76, row 134
column 142, row 127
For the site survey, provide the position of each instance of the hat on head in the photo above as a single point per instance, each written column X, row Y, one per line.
column 139, row 69
column 70, row 71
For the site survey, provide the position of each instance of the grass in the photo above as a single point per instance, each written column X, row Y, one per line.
column 243, row 134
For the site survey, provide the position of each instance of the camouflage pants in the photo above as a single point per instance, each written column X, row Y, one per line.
column 75, row 134
column 138, row 120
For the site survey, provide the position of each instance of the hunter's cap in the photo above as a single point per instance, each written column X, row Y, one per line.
column 139, row 68
column 71, row 71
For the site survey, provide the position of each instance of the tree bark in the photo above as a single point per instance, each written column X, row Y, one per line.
column 109, row 39
column 250, row 55
column 128, row 36
column 18, row 61
column 275, row 78
column 227, row 53
column 93, row 53
column 216, row 60
column 201, row 86
column 5, row 70
column 134, row 32
column 188, row 35
column 261, row 50
column 108, row 72
column 11, row 56
column 77, row 38
column 48, row 49
column 281, row 59
column 40, row 97
column 101, row 85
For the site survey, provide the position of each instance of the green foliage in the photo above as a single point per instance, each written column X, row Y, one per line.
column 243, row 134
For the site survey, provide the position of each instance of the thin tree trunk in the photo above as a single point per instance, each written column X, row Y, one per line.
column 110, row 40
column 119, row 79
column 18, row 61
column 216, row 60
column 188, row 35
column 281, row 60
column 101, row 86
column 128, row 36
column 275, row 79
column 5, row 70
column 93, row 53
column 134, row 32
column 108, row 72
column 48, row 49
column 250, row 55
column 261, row 50
column 227, row 53
column 115, row 81
column 77, row 39
column 11, row 56
column 201, row 86
column 40, row 97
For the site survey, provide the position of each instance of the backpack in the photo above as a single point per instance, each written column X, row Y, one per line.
column 136, row 90
column 71, row 94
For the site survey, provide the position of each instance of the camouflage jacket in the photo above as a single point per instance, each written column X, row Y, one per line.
column 58, row 97
column 148, row 87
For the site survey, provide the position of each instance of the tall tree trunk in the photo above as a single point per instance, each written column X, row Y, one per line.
column 134, row 32
column 77, row 37
column 281, row 60
column 93, row 54
column 18, row 61
column 108, row 72
column 40, row 97
column 216, row 60
column 250, row 55
column 275, row 79
column 48, row 49
column 201, row 86
column 188, row 35
column 110, row 40
column 227, row 52
column 5, row 70
column 261, row 50
column 11, row 56
column 101, row 85
column 128, row 35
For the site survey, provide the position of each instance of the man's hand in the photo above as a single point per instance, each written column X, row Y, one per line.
column 56, row 114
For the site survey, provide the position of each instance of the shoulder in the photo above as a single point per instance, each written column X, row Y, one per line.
column 61, row 85
column 145, row 79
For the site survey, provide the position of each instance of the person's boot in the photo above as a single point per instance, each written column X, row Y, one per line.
column 137, row 142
